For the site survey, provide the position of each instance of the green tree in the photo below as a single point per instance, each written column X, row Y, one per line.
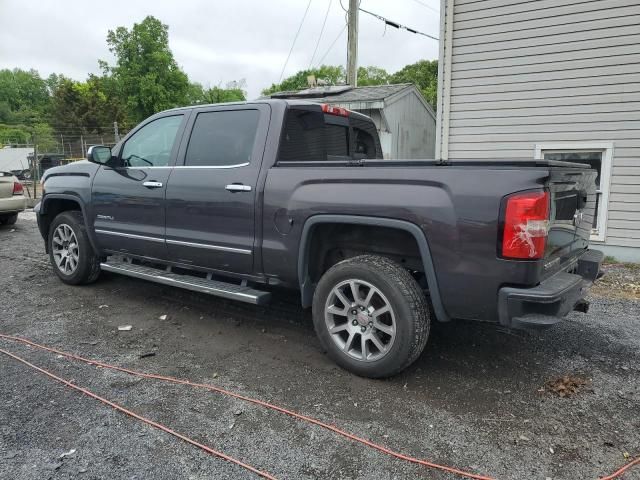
column 146, row 73
column 198, row 95
column 329, row 74
column 23, row 89
column 372, row 76
column 10, row 134
column 24, row 98
column 44, row 137
column 424, row 74
column 65, row 102
column 86, row 107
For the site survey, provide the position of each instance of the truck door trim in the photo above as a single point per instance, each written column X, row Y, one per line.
column 307, row 288
column 210, row 247
column 215, row 167
column 129, row 235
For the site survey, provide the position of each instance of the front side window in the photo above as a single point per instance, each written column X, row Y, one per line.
column 222, row 138
column 151, row 145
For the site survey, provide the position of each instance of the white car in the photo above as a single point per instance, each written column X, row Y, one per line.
column 12, row 199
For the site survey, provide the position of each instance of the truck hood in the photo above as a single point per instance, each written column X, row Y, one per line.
column 82, row 167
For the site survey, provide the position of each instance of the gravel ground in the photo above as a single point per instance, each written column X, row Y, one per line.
column 478, row 398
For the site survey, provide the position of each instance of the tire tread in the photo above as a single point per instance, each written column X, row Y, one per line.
column 93, row 268
column 409, row 290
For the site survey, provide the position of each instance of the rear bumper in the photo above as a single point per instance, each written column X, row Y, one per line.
column 13, row 204
column 545, row 305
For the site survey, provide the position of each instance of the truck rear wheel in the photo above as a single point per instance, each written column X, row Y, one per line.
column 70, row 251
column 371, row 316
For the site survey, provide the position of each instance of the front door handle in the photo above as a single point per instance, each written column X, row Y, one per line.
column 238, row 187
column 152, row 184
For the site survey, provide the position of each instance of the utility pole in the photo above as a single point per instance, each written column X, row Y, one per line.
column 352, row 44
column 116, row 134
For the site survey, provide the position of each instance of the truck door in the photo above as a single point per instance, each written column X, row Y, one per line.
column 128, row 199
column 211, row 194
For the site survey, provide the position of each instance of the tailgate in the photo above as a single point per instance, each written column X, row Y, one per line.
column 573, row 199
column 6, row 185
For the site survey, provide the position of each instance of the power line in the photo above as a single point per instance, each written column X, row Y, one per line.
column 397, row 25
column 326, row 15
column 332, row 44
column 294, row 41
column 427, row 6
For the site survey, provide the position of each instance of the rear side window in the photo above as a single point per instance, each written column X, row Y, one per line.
column 303, row 137
column 222, row 138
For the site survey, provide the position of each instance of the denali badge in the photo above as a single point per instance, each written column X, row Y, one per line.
column 104, row 217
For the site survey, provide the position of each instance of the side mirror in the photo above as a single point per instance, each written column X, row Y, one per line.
column 99, row 154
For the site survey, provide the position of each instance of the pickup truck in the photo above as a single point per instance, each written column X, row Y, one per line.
column 239, row 199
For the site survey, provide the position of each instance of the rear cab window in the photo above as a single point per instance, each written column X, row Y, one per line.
column 309, row 135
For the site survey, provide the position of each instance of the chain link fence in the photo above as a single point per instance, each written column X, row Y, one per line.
column 62, row 149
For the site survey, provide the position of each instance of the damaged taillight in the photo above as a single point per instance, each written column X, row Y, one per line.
column 526, row 225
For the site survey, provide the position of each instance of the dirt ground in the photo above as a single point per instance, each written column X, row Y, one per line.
column 479, row 398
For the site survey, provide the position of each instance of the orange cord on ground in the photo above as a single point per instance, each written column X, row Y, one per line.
column 256, row 402
column 141, row 418
column 619, row 472
column 282, row 410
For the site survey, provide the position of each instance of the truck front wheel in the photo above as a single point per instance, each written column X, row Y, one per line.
column 371, row 316
column 70, row 251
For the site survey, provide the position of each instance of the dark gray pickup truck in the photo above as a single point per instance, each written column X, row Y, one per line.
column 235, row 200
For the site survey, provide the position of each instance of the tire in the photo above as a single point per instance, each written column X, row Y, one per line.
column 402, row 331
column 9, row 219
column 70, row 224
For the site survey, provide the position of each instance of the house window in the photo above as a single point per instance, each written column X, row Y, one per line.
column 598, row 155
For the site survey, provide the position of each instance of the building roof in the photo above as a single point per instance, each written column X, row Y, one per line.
column 346, row 94
column 357, row 98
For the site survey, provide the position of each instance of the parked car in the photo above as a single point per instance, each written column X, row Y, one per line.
column 236, row 199
column 12, row 199
column 22, row 174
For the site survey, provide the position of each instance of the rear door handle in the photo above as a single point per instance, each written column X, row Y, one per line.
column 238, row 187
column 153, row 184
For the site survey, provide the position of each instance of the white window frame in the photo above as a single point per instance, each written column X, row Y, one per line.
column 606, row 148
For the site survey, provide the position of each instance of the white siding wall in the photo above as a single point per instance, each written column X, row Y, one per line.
column 519, row 73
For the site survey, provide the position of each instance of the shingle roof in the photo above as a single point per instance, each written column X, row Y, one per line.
column 346, row 94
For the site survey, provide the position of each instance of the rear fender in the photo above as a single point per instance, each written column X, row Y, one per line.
column 307, row 287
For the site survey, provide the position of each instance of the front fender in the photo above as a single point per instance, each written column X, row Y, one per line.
column 44, row 206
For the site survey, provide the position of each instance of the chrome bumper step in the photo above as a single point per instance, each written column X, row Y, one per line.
column 188, row 282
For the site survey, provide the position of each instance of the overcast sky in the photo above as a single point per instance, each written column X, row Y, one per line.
column 213, row 41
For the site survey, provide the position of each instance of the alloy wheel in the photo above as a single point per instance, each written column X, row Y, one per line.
column 360, row 320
